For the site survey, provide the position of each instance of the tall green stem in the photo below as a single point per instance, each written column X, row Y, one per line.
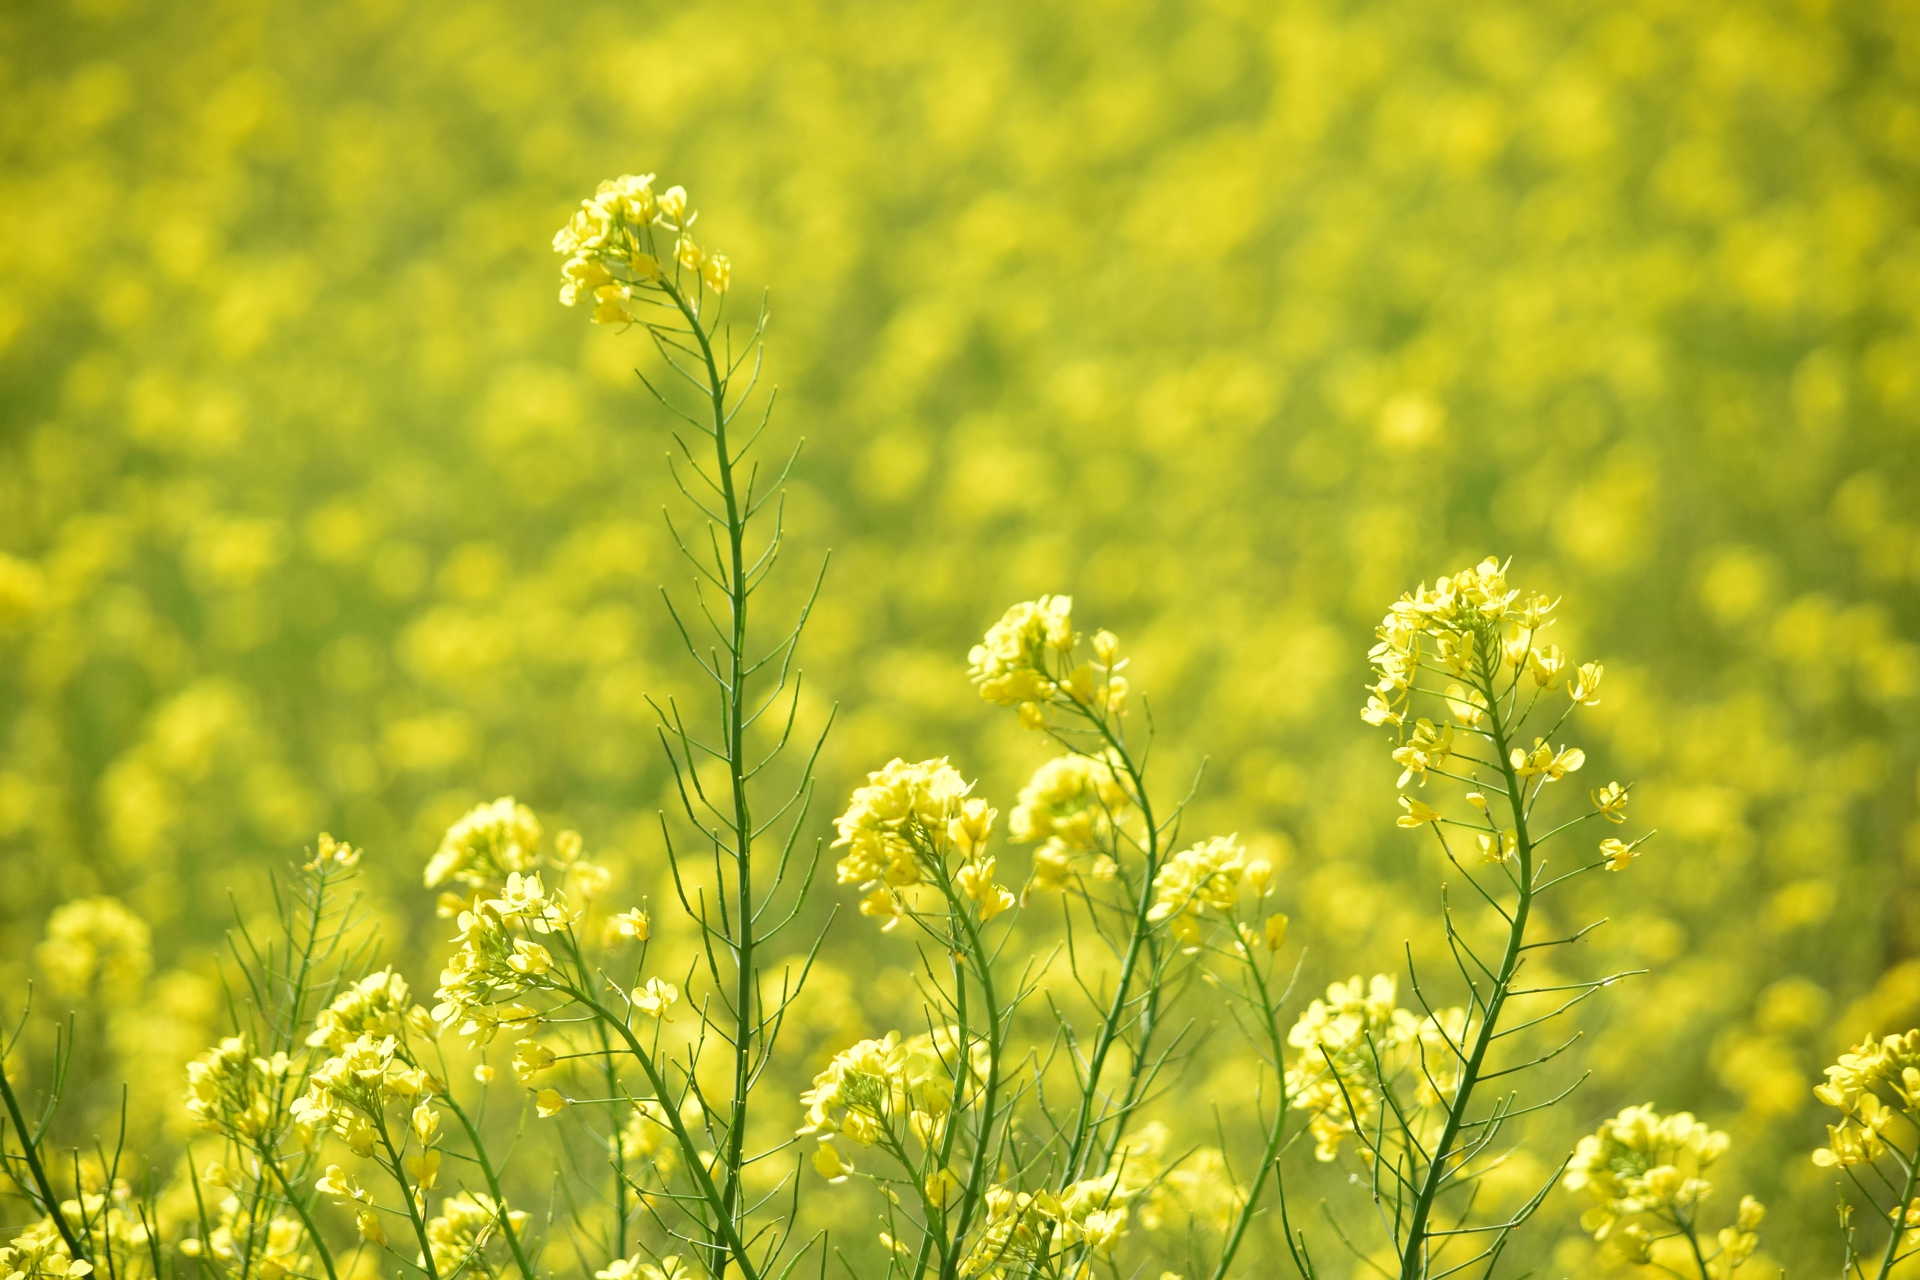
column 742, row 942
column 1413, row 1257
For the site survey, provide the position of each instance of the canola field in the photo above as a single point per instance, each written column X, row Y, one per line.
column 1231, row 321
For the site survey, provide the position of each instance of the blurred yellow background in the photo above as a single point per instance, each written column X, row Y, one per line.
column 1233, row 320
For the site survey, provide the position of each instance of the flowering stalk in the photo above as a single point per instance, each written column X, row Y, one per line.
column 1476, row 631
column 617, row 257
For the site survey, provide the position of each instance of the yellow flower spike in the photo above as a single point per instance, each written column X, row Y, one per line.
column 1417, row 814
column 656, row 998
column 550, row 1102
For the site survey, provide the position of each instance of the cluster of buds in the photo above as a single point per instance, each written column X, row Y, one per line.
column 232, row 1090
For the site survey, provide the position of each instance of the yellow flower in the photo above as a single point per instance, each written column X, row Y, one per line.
column 717, row 272
column 627, row 925
column 530, row 1058
column 1427, row 748
column 368, row 1224
column 656, row 998
column 1585, row 688
column 1469, row 706
column 1417, row 814
column 1498, row 849
column 424, row 1168
column 829, row 1163
column 673, row 205
column 335, row 1183
column 1275, row 931
column 1544, row 761
column 1618, row 853
column 1548, row 665
column 549, row 1102
column 1611, row 801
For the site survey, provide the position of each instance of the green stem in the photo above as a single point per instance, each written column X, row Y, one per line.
column 1113, row 1020
column 406, row 1196
column 1892, row 1253
column 742, row 944
column 1413, row 1259
column 299, row 1203
column 1275, row 1134
column 989, row 1095
column 493, row 1187
column 696, row 1167
column 30, row 1147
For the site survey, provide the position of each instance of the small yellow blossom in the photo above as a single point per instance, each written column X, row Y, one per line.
column 656, row 998
column 550, row 1102
column 1417, row 814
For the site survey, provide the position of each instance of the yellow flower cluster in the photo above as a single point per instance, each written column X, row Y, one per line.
column 494, row 962
column 1351, row 1041
column 231, row 1090
column 1072, row 804
column 901, row 828
column 350, row 1092
column 612, row 250
column 1026, row 660
column 39, row 1253
column 1026, row 1231
column 1455, row 623
column 491, row 842
column 633, row 1268
column 868, row 1092
column 1856, row 1085
column 1206, row 875
column 377, row 1006
column 96, row 944
column 1644, row 1172
column 459, row 1234
column 275, row 1257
